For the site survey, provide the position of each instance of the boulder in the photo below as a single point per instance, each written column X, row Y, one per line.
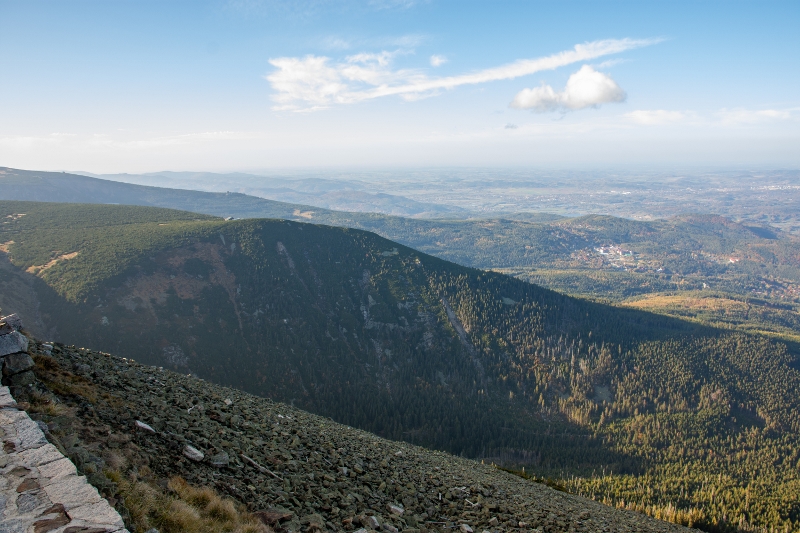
column 16, row 363
column 22, row 379
column 13, row 342
column 12, row 320
column 192, row 453
column 220, row 460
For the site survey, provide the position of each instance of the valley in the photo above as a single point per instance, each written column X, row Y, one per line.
column 631, row 408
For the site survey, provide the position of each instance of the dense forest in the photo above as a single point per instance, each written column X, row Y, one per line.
column 742, row 276
column 686, row 422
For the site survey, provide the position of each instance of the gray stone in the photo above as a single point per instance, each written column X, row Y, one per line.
column 389, row 528
column 40, row 456
column 141, row 426
column 12, row 320
column 26, row 432
column 12, row 343
column 71, row 492
column 30, row 501
column 6, row 400
column 99, row 512
column 57, row 469
column 192, row 453
column 220, row 460
column 22, row 379
column 372, row 522
column 466, row 529
column 16, row 363
column 395, row 509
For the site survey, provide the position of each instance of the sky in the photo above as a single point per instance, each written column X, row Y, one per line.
column 258, row 85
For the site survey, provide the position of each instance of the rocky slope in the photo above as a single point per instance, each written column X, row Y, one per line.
column 297, row 471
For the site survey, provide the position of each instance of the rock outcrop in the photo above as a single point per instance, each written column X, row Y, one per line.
column 15, row 362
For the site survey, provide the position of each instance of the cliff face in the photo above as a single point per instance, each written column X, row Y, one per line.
column 294, row 470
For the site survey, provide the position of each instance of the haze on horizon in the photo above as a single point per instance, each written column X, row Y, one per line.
column 254, row 85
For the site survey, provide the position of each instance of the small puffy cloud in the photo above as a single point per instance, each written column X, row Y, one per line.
column 655, row 116
column 585, row 88
column 438, row 61
column 510, row 126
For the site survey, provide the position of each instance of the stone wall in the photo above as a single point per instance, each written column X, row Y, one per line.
column 40, row 489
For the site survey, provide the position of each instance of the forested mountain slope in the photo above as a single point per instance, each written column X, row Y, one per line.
column 712, row 257
column 376, row 335
column 684, row 245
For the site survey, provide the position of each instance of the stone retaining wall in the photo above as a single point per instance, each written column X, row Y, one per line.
column 40, row 489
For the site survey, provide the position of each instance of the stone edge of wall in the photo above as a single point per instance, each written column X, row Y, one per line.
column 40, row 489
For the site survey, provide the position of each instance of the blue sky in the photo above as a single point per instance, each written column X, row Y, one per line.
column 263, row 84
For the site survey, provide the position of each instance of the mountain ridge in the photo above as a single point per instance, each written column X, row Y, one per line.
column 355, row 327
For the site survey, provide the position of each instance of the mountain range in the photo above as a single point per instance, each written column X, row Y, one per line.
column 617, row 403
column 706, row 267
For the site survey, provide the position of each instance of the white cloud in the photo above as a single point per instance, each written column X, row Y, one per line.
column 438, row 61
column 314, row 82
column 611, row 63
column 748, row 116
column 585, row 88
column 655, row 116
column 336, row 43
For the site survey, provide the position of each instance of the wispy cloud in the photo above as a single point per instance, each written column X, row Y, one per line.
column 611, row 63
column 585, row 88
column 395, row 4
column 314, row 82
column 655, row 116
column 336, row 43
column 438, row 61
column 752, row 116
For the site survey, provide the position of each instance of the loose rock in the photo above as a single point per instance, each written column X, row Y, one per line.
column 220, row 460
column 141, row 426
column 192, row 453
column 395, row 509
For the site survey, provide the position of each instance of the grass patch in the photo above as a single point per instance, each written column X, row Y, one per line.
column 183, row 508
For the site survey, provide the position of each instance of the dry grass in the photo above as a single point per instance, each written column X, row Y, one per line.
column 42, row 403
column 184, row 509
column 659, row 301
column 60, row 381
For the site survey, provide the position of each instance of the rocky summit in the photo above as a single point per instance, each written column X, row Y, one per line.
column 118, row 420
